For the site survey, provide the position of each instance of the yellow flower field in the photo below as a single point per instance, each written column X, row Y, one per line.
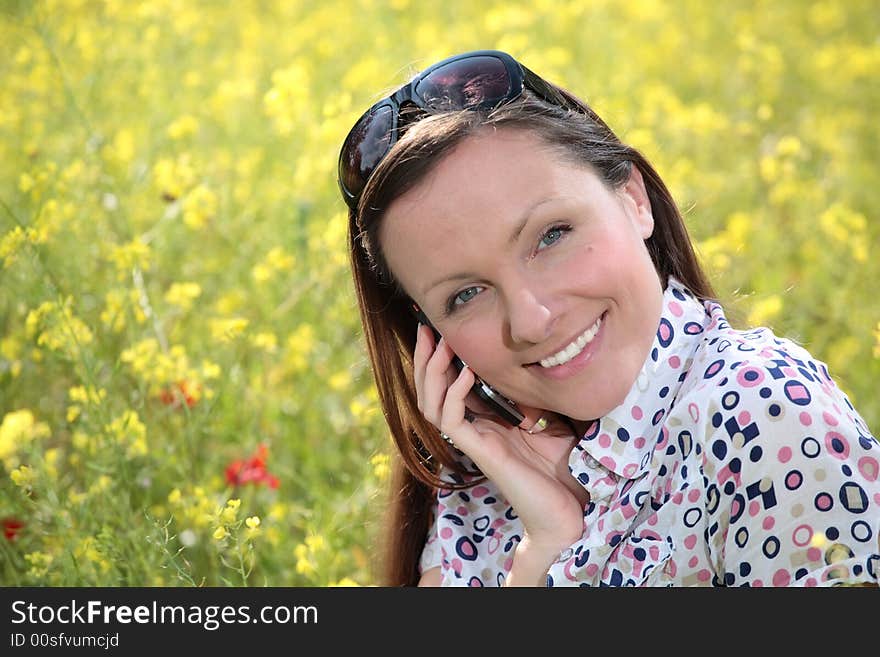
column 185, row 398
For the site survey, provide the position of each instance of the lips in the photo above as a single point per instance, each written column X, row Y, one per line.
column 574, row 348
column 575, row 355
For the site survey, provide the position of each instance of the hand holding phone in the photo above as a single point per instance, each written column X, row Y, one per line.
column 498, row 403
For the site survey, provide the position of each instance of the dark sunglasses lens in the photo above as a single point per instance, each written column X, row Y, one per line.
column 482, row 80
column 365, row 146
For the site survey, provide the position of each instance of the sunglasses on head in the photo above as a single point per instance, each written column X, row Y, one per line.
column 482, row 79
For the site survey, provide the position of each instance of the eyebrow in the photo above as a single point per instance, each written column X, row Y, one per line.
column 521, row 224
column 514, row 236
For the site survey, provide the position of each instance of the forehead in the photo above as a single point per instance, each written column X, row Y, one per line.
column 477, row 167
column 492, row 171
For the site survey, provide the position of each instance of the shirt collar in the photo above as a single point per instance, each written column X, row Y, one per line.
column 623, row 440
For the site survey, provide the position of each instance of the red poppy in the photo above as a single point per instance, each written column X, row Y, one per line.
column 11, row 528
column 251, row 470
column 181, row 391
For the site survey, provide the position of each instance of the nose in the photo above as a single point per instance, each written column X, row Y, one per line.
column 529, row 316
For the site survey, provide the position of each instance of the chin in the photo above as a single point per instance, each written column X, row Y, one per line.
column 594, row 403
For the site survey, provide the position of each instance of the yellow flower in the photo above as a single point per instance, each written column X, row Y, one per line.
column 183, row 295
column 769, row 168
column 128, row 256
column 141, row 356
column 11, row 244
column 289, row 94
column 229, row 302
column 345, row 581
column 847, row 227
column 199, row 207
column 340, row 380
column 22, row 476
column 299, row 345
column 315, row 542
column 304, row 565
column 230, row 511
column 185, row 126
column 92, row 395
column 80, row 440
column 210, row 370
column 362, row 408
column 101, row 484
column 227, row 329
column 220, row 533
column 113, row 315
column 56, row 328
column 87, row 550
column 789, row 146
column 50, row 220
column 11, row 351
column 174, row 177
column 51, row 459
column 381, row 465
column 129, row 432
column 265, row 341
column 39, row 563
column 26, row 182
column 19, row 428
column 277, row 511
column 253, row 526
column 122, row 148
column 277, row 260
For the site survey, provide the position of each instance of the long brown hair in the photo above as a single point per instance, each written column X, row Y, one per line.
column 580, row 136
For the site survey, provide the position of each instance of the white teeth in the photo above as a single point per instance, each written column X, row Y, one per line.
column 574, row 348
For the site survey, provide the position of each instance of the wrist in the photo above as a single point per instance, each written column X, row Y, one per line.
column 531, row 561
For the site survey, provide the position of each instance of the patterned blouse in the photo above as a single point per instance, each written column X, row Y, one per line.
column 735, row 460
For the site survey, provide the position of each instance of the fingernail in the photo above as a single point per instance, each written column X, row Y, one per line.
column 539, row 425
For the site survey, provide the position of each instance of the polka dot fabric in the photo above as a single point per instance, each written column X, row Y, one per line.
column 735, row 460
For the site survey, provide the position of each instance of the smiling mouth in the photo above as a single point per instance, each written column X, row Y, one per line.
column 576, row 347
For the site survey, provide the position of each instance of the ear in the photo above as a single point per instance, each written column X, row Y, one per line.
column 635, row 196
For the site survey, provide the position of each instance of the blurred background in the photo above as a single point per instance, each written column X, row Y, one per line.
column 184, row 393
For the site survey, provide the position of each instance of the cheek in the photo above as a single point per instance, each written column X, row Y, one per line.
column 475, row 345
column 625, row 263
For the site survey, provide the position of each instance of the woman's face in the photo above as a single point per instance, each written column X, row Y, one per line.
column 533, row 270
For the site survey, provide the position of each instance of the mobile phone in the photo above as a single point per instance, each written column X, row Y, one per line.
column 499, row 404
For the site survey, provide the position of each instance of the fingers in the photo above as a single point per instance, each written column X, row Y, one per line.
column 534, row 419
column 444, row 395
column 454, row 408
column 431, row 374
column 540, row 421
column 423, row 350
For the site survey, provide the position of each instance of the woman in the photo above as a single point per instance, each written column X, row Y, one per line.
column 640, row 439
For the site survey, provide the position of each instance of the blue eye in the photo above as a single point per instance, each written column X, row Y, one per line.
column 464, row 296
column 460, row 299
column 553, row 235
